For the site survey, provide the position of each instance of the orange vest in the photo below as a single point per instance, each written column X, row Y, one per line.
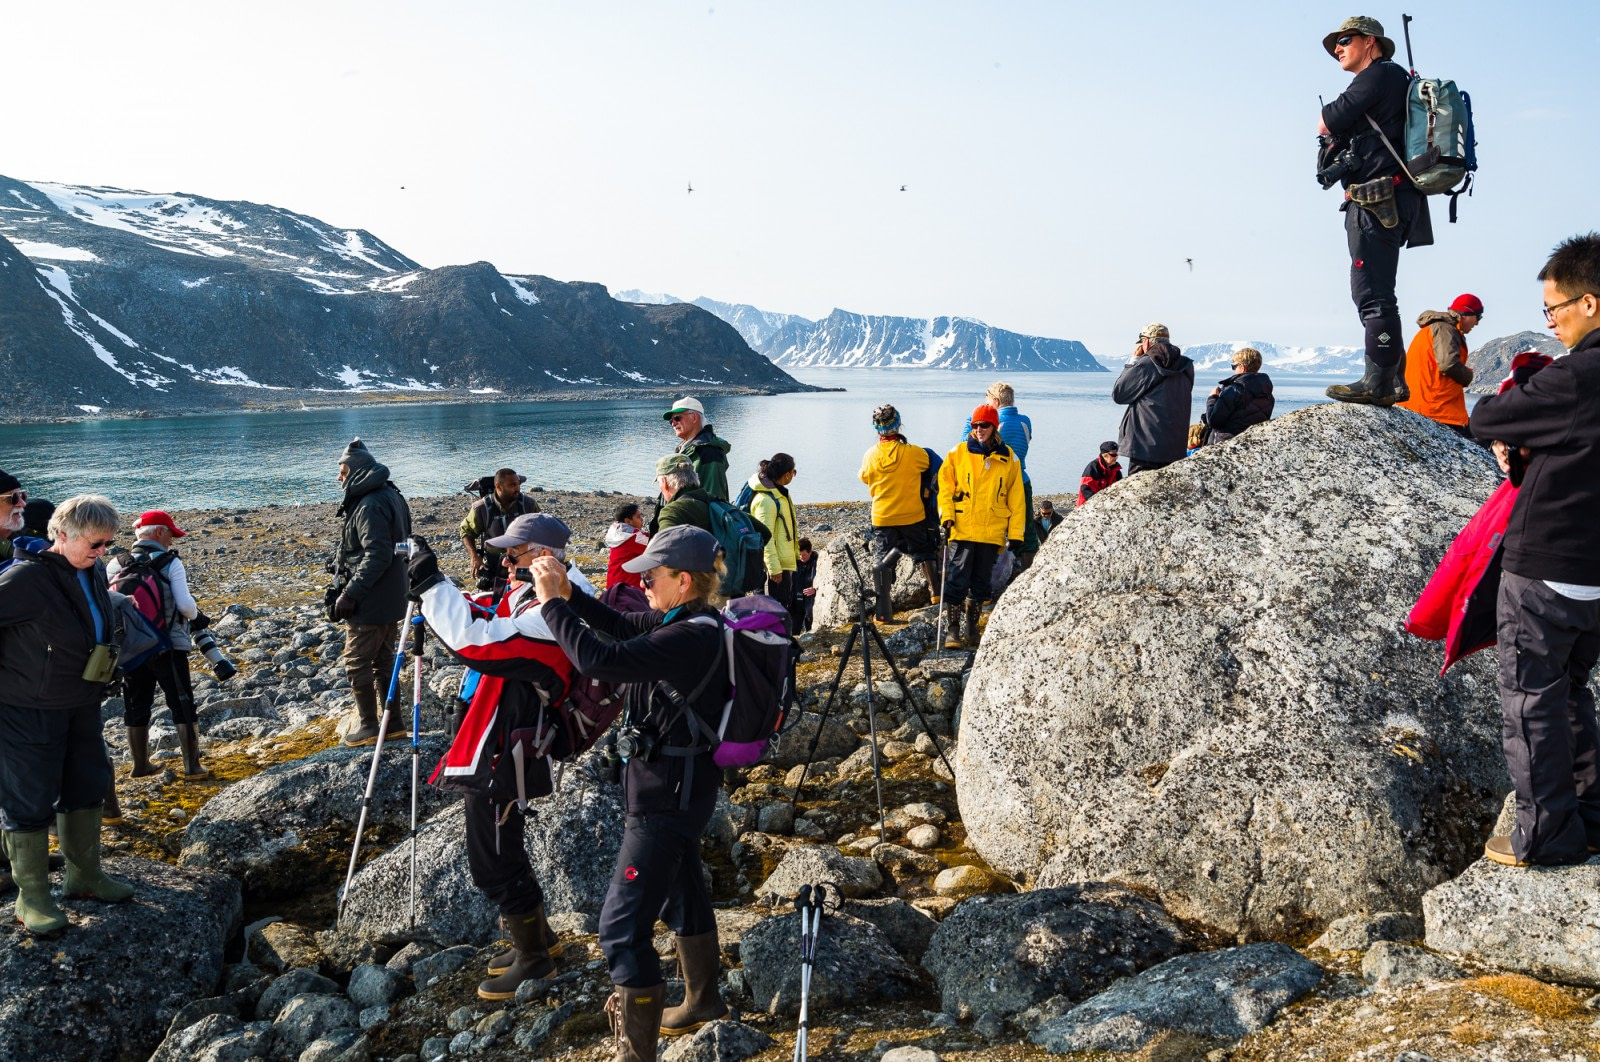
column 1433, row 394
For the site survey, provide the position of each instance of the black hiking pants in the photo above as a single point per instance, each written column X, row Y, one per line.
column 169, row 670
column 51, row 760
column 497, row 857
column 1548, row 647
column 1374, row 264
column 971, row 576
column 658, row 875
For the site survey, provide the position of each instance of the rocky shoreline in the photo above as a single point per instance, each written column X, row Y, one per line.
column 932, row 954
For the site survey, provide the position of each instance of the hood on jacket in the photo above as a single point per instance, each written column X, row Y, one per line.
column 1433, row 317
column 1255, row 384
column 887, row 456
column 618, row 533
column 362, row 481
column 706, row 438
column 1166, row 357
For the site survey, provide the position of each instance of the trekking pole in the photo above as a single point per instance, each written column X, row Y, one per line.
column 418, row 626
column 944, row 586
column 802, row 904
column 1405, row 26
column 377, row 749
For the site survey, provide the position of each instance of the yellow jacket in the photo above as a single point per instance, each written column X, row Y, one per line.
column 983, row 494
column 892, row 471
column 774, row 509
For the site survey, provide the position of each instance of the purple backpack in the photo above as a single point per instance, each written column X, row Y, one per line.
column 759, row 653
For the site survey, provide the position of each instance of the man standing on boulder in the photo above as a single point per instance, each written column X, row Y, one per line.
column 372, row 598
column 1382, row 210
column 1549, row 605
column 1436, row 363
column 1156, row 386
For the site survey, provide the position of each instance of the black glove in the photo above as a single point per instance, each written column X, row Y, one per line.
column 422, row 571
column 1015, row 545
column 200, row 622
column 345, row 607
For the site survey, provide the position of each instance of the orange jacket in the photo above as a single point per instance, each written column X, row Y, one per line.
column 1436, row 369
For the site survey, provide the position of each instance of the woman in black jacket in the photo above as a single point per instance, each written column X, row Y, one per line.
column 670, row 656
column 1242, row 400
column 57, row 632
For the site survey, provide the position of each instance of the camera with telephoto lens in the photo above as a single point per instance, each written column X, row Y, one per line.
column 1336, row 160
column 403, row 549
column 221, row 666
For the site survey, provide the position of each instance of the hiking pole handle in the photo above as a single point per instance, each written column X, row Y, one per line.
column 1405, row 28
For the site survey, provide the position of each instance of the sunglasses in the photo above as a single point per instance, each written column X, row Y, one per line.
column 1344, row 42
column 679, row 418
column 102, row 543
column 16, row 497
column 649, row 579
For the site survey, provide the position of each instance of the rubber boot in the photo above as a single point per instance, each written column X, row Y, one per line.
column 635, row 1015
column 883, row 586
column 30, row 870
column 974, row 614
column 139, row 749
column 700, row 961
column 1375, row 388
column 79, row 835
column 365, row 731
column 529, row 960
column 189, row 742
column 553, row 947
column 1402, row 393
column 952, row 625
column 930, row 572
column 113, row 810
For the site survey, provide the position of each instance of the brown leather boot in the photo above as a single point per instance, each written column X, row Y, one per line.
column 974, row 614
column 189, row 742
column 952, row 625
column 139, row 749
column 635, row 1015
column 700, row 961
column 553, row 947
column 529, row 958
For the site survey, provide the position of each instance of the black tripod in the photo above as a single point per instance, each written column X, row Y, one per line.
column 865, row 633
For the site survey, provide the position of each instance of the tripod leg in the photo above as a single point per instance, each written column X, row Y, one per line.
column 894, row 668
column 827, row 710
column 872, row 720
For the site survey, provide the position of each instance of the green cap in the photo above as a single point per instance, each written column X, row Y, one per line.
column 1367, row 27
column 673, row 463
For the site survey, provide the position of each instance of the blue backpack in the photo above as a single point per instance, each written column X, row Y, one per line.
column 743, row 539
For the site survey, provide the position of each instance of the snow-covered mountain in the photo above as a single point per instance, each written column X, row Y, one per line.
column 1302, row 361
column 853, row 340
column 116, row 300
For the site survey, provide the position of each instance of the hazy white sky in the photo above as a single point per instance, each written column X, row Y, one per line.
column 1061, row 160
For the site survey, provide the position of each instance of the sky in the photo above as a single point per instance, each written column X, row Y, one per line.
column 1061, row 160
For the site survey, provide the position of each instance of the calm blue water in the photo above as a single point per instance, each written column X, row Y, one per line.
column 286, row 458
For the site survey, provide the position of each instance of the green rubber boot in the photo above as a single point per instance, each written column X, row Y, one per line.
column 30, row 869
column 79, row 835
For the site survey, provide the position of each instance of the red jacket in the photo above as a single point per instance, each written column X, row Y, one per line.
column 625, row 543
column 1458, row 604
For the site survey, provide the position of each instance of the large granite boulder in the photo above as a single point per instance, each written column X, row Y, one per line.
column 1539, row 921
column 1202, row 687
column 839, row 590
column 1001, row 955
column 274, row 831
column 109, row 985
column 572, row 837
column 855, row 964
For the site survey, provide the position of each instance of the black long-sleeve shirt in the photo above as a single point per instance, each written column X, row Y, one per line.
column 1556, row 414
column 1379, row 90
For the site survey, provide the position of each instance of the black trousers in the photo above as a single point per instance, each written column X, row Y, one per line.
column 1374, row 264
column 497, row 858
column 782, row 591
column 1548, row 647
column 917, row 541
column 169, row 670
column 971, row 572
column 1136, row 466
column 51, row 760
column 658, row 875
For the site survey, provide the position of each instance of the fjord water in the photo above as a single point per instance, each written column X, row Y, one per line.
column 290, row 457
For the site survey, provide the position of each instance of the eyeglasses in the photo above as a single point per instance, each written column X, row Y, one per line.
column 1550, row 311
column 103, row 543
column 647, row 580
column 1344, row 42
column 515, row 557
column 16, row 497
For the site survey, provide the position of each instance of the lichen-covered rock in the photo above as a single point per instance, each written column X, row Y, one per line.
column 1360, row 932
column 1001, row 955
column 720, row 1041
column 111, row 983
column 572, row 839
column 907, row 928
column 836, row 740
column 273, row 830
column 855, row 964
column 302, row 982
column 838, row 589
column 807, row 865
column 1540, row 921
column 306, row 1019
column 1217, row 995
column 1388, row 964
column 1246, row 731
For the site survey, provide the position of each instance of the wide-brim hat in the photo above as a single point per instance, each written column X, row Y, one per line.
column 1367, row 27
column 540, row 528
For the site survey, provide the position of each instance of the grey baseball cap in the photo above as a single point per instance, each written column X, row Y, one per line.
column 682, row 546
column 540, row 528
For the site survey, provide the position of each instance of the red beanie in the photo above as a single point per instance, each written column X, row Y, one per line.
column 985, row 414
column 1468, row 304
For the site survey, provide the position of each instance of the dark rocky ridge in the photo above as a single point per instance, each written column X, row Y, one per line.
column 201, row 303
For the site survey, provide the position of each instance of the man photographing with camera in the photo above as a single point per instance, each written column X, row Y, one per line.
column 1382, row 210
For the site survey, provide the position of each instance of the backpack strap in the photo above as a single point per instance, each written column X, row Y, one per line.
column 699, row 729
column 1379, row 130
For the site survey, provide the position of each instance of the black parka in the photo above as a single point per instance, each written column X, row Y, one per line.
column 376, row 518
column 47, row 632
